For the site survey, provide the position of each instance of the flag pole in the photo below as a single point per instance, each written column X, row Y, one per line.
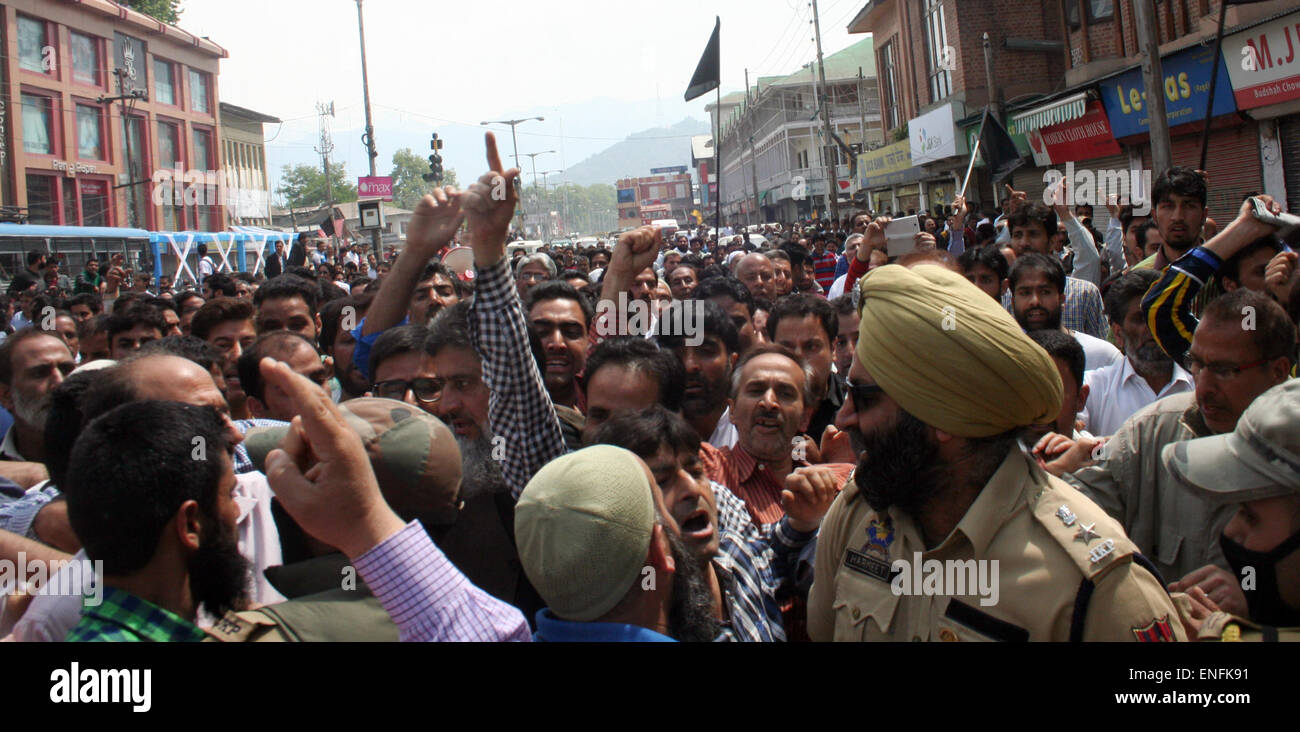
column 1214, row 81
column 979, row 138
column 717, row 164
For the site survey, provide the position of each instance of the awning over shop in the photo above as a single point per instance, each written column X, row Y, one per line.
column 1053, row 113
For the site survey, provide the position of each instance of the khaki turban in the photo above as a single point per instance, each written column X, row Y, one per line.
column 951, row 355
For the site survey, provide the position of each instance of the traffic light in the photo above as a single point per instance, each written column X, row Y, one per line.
column 435, row 160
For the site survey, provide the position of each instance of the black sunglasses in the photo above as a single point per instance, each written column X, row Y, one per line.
column 864, row 395
column 425, row 390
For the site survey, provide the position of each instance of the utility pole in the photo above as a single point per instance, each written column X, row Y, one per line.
column 832, row 178
column 862, row 108
column 753, row 151
column 128, row 96
column 1144, row 12
column 368, row 138
column 994, row 106
column 326, row 147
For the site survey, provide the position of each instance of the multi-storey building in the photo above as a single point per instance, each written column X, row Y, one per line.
column 774, row 145
column 71, row 156
column 656, row 197
column 1066, row 81
column 243, row 150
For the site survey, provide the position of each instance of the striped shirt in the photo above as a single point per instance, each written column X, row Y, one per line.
column 824, row 268
column 1169, row 303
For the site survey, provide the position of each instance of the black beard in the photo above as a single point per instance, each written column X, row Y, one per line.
column 713, row 397
column 690, row 618
column 1053, row 322
column 480, row 473
column 901, row 467
column 219, row 574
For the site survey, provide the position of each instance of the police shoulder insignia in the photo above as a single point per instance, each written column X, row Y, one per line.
column 1158, row 631
column 1231, row 633
column 881, row 533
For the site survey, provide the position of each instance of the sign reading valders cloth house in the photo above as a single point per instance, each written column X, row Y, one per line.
column 1084, row 138
column 1264, row 62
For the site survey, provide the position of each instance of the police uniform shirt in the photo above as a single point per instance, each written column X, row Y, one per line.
column 1047, row 539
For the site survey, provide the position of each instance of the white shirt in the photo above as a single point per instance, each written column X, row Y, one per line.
column 49, row 618
column 1117, row 391
column 1096, row 352
column 724, row 434
column 9, row 448
column 206, row 268
column 837, row 287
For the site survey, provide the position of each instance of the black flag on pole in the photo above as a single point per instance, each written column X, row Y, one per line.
column 999, row 151
column 707, row 72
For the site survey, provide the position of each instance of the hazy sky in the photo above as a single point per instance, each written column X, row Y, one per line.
column 434, row 63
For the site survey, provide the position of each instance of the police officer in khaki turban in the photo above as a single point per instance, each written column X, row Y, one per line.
column 950, row 530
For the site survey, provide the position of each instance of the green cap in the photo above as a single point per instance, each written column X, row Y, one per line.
column 413, row 454
column 583, row 525
column 1259, row 459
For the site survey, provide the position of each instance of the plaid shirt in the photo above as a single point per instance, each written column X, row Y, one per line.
column 752, row 567
column 126, row 617
column 754, row 562
column 1081, row 310
column 243, row 463
column 520, row 409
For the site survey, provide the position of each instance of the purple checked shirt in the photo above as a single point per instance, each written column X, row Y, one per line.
column 429, row 599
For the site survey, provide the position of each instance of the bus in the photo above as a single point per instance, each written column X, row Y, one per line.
column 71, row 247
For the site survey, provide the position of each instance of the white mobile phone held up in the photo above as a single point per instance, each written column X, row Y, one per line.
column 900, row 236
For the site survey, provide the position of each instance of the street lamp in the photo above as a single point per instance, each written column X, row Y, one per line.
column 533, row 158
column 515, row 139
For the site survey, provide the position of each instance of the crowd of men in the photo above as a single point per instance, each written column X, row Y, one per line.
column 679, row 436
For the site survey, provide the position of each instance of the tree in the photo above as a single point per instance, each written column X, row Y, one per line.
column 303, row 186
column 168, row 11
column 408, row 186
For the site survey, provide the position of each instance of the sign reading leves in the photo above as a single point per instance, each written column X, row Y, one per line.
column 1264, row 62
column 1187, row 89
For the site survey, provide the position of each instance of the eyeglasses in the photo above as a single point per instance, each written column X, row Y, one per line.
column 864, row 395
column 425, row 390
column 1221, row 371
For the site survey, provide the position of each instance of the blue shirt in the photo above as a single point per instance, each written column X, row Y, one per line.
column 361, row 354
column 552, row 629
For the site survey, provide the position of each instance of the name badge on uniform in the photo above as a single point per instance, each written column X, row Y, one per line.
column 872, row 559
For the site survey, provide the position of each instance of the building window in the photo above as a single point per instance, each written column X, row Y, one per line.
column 38, row 125
column 35, row 48
column 42, row 199
column 207, row 211
column 938, row 54
column 1099, row 11
column 170, row 156
column 134, row 151
column 199, row 92
column 90, row 133
column 94, row 202
column 887, row 75
column 85, row 59
column 164, row 83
